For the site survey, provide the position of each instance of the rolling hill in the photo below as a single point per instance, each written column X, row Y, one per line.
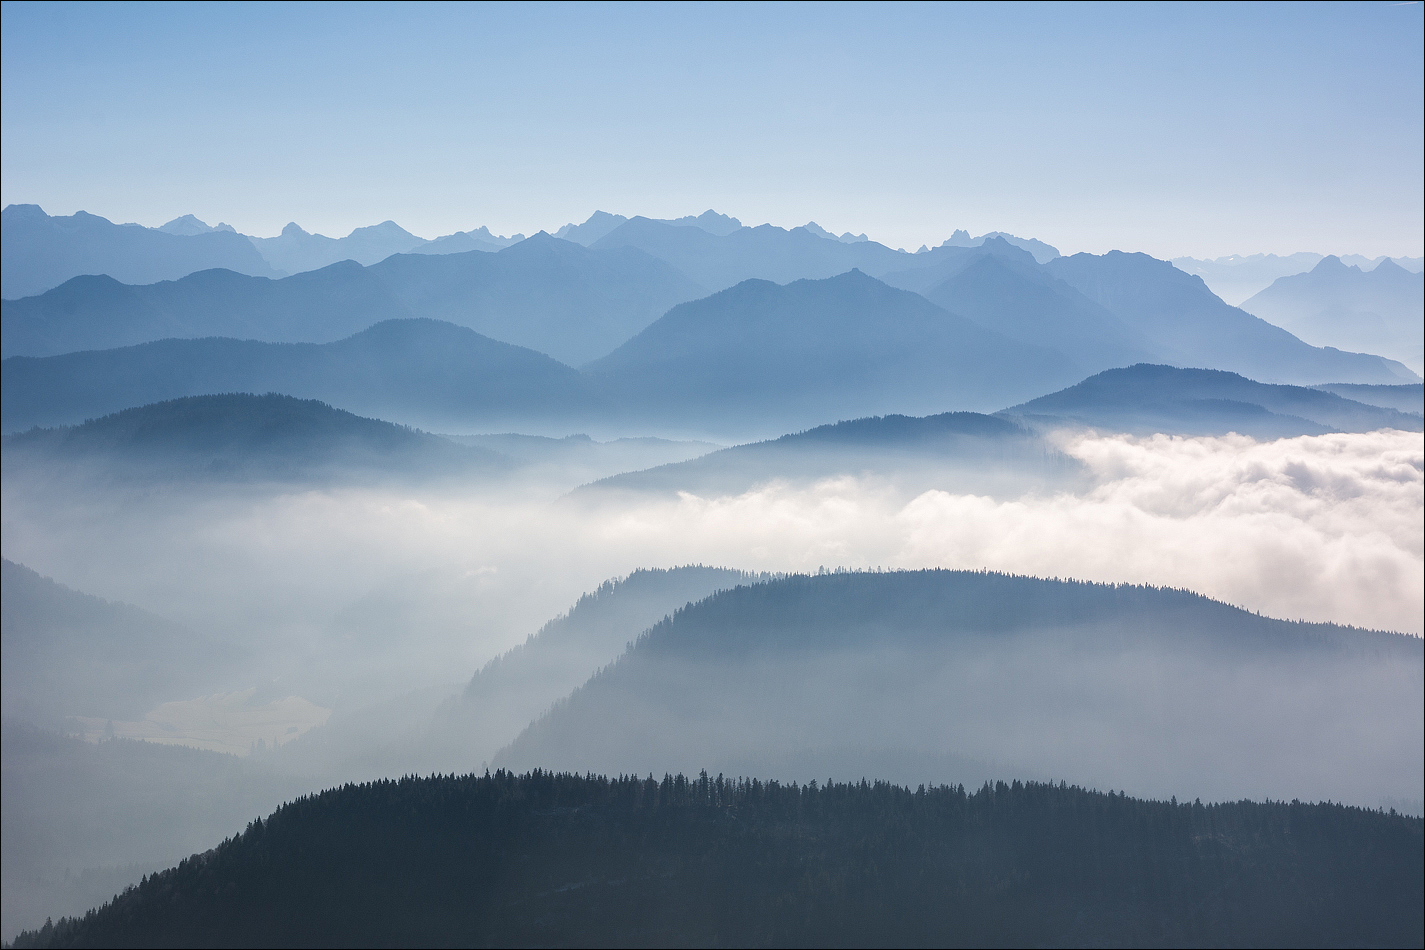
column 957, row 676
column 1144, row 399
column 240, row 437
column 953, row 451
column 423, row 372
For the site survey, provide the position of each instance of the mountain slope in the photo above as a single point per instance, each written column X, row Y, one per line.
column 1003, row 289
column 955, row 451
column 1407, row 398
column 761, row 356
column 241, row 437
column 929, row 675
column 1377, row 311
column 565, row 860
column 93, row 313
column 38, row 252
column 571, row 302
column 550, row 295
column 1145, row 399
column 518, row 686
column 418, row 371
column 71, row 654
column 1189, row 326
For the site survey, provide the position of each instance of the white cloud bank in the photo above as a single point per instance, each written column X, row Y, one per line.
column 1325, row 528
column 1318, row 528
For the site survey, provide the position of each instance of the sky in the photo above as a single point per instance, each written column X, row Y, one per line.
column 1175, row 129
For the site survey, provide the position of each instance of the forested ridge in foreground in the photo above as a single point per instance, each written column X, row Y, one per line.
column 559, row 859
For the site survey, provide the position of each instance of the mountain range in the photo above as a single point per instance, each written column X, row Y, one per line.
column 754, row 361
column 38, row 252
column 553, row 295
column 1236, row 277
column 1381, row 310
column 1190, row 326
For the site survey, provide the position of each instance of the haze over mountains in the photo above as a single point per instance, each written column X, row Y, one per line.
column 977, row 328
column 348, row 480
column 1236, row 277
column 1380, row 310
column 934, row 675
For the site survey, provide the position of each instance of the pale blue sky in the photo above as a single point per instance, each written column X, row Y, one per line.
column 1174, row 129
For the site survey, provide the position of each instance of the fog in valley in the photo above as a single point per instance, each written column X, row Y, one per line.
column 687, row 475
column 297, row 628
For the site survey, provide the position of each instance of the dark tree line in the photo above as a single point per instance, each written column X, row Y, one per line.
column 562, row 859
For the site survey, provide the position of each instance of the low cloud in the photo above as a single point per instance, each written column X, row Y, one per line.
column 1324, row 528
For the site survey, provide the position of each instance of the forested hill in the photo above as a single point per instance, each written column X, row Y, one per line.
column 242, row 436
column 562, row 860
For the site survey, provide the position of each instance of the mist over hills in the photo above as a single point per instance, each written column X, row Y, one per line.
column 1409, row 397
column 953, row 451
column 1189, row 326
column 1145, row 399
column 38, row 251
column 242, row 437
column 850, row 673
column 66, row 653
column 518, row 686
column 418, row 371
column 1381, row 310
column 1236, row 277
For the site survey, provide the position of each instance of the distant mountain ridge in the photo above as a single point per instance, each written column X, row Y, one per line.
column 38, row 252
column 1188, row 325
column 1237, row 277
column 1381, row 310
column 568, row 301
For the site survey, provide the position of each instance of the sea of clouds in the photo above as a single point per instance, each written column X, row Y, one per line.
column 1325, row 528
